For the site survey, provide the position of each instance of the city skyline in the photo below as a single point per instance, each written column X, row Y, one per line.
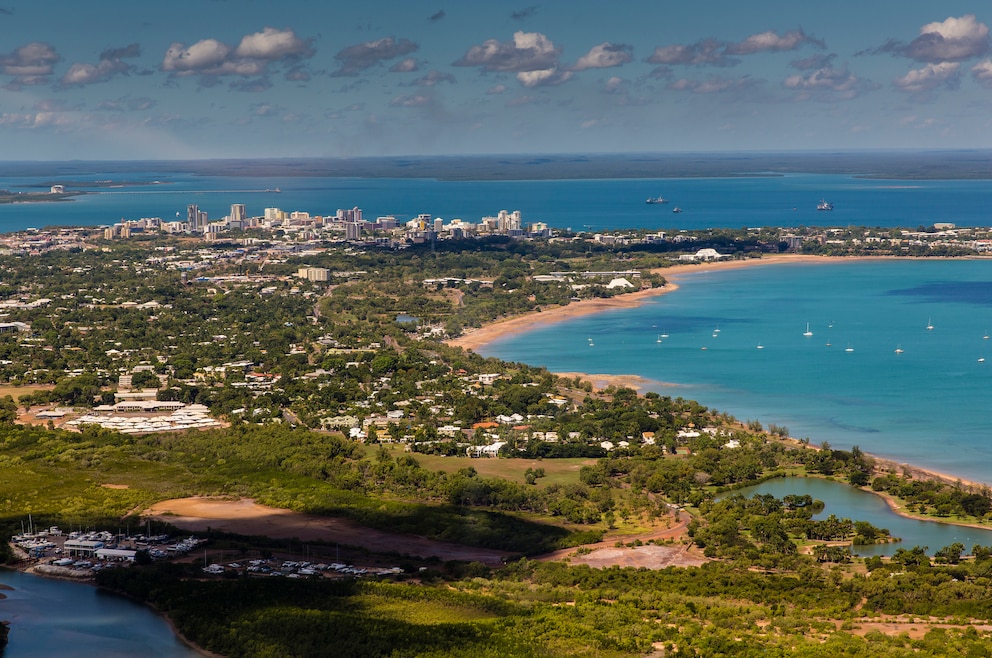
column 220, row 79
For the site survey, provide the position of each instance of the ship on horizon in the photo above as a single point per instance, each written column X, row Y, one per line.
column 824, row 205
column 656, row 199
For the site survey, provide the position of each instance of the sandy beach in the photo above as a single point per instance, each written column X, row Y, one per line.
column 474, row 339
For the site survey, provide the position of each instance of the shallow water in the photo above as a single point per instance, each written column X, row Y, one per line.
column 847, row 502
column 925, row 406
column 60, row 618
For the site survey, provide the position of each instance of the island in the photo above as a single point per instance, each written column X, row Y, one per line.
column 57, row 193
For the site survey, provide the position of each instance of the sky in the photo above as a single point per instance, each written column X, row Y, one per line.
column 249, row 78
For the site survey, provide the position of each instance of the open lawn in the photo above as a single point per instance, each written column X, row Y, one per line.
column 17, row 391
column 557, row 471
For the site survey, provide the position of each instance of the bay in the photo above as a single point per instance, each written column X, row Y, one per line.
column 60, row 618
column 593, row 205
column 926, row 406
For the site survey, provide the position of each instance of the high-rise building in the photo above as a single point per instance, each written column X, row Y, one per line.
column 237, row 212
column 193, row 217
column 353, row 231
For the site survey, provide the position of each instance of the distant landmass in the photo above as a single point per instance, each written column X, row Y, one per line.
column 6, row 196
column 901, row 165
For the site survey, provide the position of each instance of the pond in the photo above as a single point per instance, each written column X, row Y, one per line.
column 845, row 501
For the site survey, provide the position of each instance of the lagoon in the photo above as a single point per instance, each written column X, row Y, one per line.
column 61, row 618
column 845, row 501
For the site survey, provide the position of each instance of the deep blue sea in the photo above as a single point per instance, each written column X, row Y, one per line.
column 597, row 205
column 845, row 384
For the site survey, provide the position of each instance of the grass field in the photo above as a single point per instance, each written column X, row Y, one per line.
column 557, row 471
column 17, row 391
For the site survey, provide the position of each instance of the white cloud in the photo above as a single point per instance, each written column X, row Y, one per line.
column 111, row 64
column 982, row 72
column 210, row 59
column 273, row 44
column 497, row 89
column 605, row 55
column 929, row 78
column 546, row 78
column 707, row 51
column 528, row 51
column 951, row 40
column 407, row 65
column 30, row 64
column 413, row 100
column 37, row 120
column 200, row 57
column 828, row 83
column 362, row 56
column 770, row 41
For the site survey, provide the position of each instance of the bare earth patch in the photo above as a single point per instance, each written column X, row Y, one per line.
column 116, row 486
column 246, row 517
column 649, row 557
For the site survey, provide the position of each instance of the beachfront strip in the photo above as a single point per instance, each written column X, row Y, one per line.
column 299, row 228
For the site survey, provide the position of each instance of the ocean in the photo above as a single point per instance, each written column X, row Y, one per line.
column 582, row 205
column 845, row 384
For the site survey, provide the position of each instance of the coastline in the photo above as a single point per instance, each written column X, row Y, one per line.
column 478, row 338
column 475, row 339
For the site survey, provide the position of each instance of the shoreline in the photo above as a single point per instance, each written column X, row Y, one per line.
column 478, row 338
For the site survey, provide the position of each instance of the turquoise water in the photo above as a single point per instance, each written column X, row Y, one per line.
column 597, row 205
column 846, row 502
column 926, row 406
column 59, row 618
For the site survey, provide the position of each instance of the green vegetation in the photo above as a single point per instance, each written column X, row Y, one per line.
column 336, row 408
column 533, row 609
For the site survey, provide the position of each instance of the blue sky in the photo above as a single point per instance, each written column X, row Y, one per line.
column 244, row 78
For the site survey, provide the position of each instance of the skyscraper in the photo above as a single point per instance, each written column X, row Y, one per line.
column 193, row 217
column 237, row 212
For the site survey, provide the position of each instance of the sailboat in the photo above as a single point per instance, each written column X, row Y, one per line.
column 807, row 332
column 760, row 346
column 659, row 339
column 664, row 335
column 981, row 359
column 929, row 325
column 899, row 349
column 848, row 348
column 986, row 336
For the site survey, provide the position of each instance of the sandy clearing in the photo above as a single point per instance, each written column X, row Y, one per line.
column 607, row 554
column 647, row 557
column 246, row 517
